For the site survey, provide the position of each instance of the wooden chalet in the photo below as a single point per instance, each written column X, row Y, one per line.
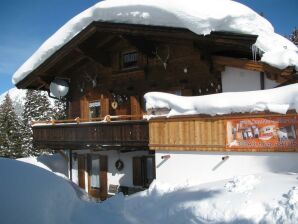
column 109, row 67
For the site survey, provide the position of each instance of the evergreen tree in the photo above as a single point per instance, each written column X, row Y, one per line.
column 10, row 135
column 294, row 36
column 60, row 110
column 36, row 107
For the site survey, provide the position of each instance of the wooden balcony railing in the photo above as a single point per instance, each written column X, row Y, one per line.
column 249, row 132
column 81, row 134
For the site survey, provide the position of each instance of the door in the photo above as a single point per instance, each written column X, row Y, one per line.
column 97, row 176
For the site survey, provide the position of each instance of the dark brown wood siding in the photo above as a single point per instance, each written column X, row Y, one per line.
column 93, row 135
column 81, row 170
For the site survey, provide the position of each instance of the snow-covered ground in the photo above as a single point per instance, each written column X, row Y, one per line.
column 199, row 16
column 55, row 163
column 30, row 194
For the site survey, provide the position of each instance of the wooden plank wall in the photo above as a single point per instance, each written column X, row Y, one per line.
column 192, row 134
column 202, row 133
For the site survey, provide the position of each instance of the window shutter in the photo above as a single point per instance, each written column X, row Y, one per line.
column 104, row 104
column 103, row 177
column 137, row 171
column 88, row 164
column 81, row 170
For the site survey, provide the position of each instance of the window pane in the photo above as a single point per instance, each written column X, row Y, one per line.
column 130, row 60
column 94, row 109
column 95, row 181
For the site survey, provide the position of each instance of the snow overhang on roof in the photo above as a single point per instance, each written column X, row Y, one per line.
column 198, row 16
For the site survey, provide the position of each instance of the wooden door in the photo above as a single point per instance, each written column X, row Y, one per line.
column 97, row 176
column 81, row 170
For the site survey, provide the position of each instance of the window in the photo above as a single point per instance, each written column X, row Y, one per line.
column 143, row 170
column 95, row 168
column 129, row 60
column 94, row 109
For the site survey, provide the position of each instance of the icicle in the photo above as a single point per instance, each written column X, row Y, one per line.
column 254, row 50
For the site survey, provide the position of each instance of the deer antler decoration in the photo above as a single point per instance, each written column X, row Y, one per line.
column 163, row 61
column 91, row 79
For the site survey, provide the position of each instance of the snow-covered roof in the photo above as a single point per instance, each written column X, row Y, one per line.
column 199, row 16
column 278, row 100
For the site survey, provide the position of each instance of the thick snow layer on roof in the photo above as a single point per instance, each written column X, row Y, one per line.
column 199, row 16
column 278, row 100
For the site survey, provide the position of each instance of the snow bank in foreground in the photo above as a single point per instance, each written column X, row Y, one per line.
column 33, row 195
column 278, row 100
column 264, row 198
column 199, row 16
column 55, row 163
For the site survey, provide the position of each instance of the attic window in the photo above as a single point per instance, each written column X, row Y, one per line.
column 129, row 60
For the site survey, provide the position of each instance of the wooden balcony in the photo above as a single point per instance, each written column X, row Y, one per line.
column 249, row 132
column 123, row 134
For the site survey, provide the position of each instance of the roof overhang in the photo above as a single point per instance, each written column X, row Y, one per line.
column 38, row 78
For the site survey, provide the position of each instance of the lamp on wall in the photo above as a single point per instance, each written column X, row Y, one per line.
column 166, row 157
column 224, row 158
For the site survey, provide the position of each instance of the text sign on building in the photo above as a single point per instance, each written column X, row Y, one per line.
column 263, row 133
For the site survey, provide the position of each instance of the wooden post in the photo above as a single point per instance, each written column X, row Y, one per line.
column 262, row 80
column 70, row 164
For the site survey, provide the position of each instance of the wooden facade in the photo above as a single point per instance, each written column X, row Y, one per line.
column 114, row 65
column 206, row 133
column 97, row 135
column 110, row 66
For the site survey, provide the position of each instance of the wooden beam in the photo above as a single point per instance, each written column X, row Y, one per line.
column 57, row 56
column 251, row 65
column 43, row 83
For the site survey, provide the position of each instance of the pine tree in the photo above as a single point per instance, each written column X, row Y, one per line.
column 36, row 107
column 294, row 36
column 10, row 135
column 60, row 110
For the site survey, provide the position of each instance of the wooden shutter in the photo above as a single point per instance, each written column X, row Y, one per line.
column 74, row 109
column 135, row 107
column 137, row 171
column 103, row 177
column 104, row 106
column 81, row 170
column 84, row 108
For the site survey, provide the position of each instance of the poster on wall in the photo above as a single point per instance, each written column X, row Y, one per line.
column 262, row 133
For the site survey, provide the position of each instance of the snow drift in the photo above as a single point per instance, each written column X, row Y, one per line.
column 33, row 195
column 278, row 100
column 199, row 16
column 30, row 194
column 55, row 163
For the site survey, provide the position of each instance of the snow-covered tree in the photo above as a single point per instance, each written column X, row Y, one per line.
column 294, row 36
column 10, row 131
column 60, row 110
column 36, row 107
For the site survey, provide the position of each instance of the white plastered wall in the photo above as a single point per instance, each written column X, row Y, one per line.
column 123, row 177
column 194, row 167
column 238, row 80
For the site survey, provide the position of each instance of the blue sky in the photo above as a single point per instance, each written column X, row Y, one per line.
column 26, row 24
